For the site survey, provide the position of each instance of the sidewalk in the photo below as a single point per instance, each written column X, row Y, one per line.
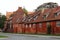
column 33, row 35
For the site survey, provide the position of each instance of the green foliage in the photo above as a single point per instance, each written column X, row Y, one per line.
column 2, row 20
column 3, row 36
column 25, row 11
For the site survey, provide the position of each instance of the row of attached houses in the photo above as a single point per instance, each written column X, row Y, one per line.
column 46, row 21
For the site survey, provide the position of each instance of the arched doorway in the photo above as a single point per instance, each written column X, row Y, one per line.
column 48, row 28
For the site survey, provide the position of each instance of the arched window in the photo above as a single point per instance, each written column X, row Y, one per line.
column 34, row 25
column 40, row 25
column 26, row 25
column 29, row 25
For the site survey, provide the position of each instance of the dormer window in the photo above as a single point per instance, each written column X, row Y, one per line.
column 35, row 17
column 17, row 20
column 23, row 19
column 47, row 6
column 56, row 14
column 29, row 19
column 45, row 16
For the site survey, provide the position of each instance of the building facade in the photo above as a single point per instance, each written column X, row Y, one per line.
column 42, row 21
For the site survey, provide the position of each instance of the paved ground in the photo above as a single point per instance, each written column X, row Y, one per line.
column 28, row 37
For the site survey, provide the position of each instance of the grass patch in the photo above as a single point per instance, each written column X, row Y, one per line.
column 3, row 36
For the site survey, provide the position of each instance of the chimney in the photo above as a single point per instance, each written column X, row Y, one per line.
column 19, row 7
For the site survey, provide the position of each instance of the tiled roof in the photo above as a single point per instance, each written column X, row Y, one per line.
column 49, row 12
column 18, row 15
column 30, row 17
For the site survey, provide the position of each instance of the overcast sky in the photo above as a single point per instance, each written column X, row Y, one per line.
column 30, row 5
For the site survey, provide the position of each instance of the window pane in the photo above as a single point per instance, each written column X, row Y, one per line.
column 29, row 25
column 58, row 24
column 40, row 24
column 26, row 25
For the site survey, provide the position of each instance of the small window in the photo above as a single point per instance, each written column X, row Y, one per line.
column 45, row 16
column 35, row 17
column 23, row 19
column 29, row 19
column 56, row 14
column 34, row 25
column 47, row 6
column 40, row 25
column 17, row 20
column 29, row 25
column 26, row 25
column 57, row 23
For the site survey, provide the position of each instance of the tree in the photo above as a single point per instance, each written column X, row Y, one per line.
column 25, row 11
column 2, row 20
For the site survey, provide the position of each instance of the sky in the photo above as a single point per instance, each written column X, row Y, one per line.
column 30, row 5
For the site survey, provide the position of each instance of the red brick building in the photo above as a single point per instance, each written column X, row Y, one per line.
column 45, row 20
